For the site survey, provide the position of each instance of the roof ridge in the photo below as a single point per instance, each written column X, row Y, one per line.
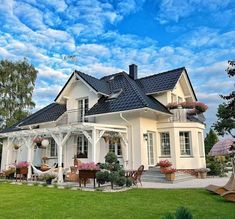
column 165, row 72
column 107, row 76
column 138, row 93
column 78, row 72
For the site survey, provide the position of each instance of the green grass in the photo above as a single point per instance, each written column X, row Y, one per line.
column 22, row 201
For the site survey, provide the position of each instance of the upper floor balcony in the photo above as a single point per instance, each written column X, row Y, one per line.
column 187, row 112
column 74, row 116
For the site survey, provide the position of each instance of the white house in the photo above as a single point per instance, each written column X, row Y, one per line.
column 120, row 113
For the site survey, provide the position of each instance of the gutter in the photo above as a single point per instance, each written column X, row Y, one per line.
column 131, row 126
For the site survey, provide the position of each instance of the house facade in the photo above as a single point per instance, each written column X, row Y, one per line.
column 120, row 113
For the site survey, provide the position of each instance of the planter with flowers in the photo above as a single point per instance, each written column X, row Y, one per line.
column 16, row 146
column 202, row 173
column 164, row 164
column 169, row 174
column 193, row 107
column 22, row 168
column 87, row 171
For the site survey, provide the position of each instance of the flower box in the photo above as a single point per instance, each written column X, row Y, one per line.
column 84, row 175
column 170, row 176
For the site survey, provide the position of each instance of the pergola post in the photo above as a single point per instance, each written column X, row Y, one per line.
column 94, row 145
column 29, row 144
column 8, row 150
column 60, row 141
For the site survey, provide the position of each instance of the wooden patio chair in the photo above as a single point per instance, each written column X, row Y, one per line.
column 136, row 176
column 229, row 186
column 229, row 195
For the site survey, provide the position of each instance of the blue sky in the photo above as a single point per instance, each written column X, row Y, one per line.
column 108, row 35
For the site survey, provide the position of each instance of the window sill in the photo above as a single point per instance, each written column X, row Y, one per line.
column 165, row 156
column 186, row 156
column 202, row 156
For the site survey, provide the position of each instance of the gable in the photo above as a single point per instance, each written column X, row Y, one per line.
column 184, row 87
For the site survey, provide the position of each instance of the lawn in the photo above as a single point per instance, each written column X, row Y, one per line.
column 22, row 201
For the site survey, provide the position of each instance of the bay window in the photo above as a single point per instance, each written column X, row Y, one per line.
column 165, row 144
column 185, row 143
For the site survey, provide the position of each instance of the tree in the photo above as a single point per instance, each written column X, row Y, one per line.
column 210, row 140
column 226, row 111
column 17, row 81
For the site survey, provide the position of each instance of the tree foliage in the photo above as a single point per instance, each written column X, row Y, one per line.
column 210, row 140
column 226, row 111
column 17, row 81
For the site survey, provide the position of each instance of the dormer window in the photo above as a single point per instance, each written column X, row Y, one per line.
column 83, row 106
column 115, row 94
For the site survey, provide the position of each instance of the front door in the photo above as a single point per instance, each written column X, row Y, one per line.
column 150, row 148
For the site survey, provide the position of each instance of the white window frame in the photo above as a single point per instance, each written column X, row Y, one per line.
column 50, row 152
column 84, row 139
column 183, row 144
column 117, row 148
column 162, row 138
column 200, row 144
column 82, row 109
column 173, row 98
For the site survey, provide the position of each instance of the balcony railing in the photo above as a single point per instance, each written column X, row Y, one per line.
column 181, row 115
column 73, row 117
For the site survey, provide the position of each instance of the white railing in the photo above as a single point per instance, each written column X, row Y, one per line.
column 180, row 115
column 73, row 117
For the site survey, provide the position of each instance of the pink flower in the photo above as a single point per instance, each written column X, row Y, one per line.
column 87, row 166
column 164, row 163
column 22, row 164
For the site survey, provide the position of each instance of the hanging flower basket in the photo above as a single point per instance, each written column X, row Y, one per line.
column 41, row 143
column 16, row 146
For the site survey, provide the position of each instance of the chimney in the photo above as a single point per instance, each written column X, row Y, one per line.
column 133, row 71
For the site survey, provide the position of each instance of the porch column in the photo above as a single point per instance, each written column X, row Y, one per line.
column 94, row 145
column 60, row 141
column 7, row 155
column 29, row 144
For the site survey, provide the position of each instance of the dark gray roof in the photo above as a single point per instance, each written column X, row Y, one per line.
column 160, row 82
column 47, row 114
column 98, row 85
column 131, row 97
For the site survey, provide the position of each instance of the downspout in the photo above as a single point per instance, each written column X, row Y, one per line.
column 131, row 126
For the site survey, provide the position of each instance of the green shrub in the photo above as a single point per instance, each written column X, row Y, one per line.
column 129, row 182
column 102, row 177
column 111, row 158
column 183, row 213
column 121, row 181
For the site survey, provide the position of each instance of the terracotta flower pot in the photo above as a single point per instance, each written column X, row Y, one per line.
column 202, row 175
column 170, row 176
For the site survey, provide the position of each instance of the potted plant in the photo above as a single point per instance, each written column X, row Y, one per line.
column 202, row 173
column 22, row 168
column 169, row 174
column 44, row 159
column 87, row 171
column 48, row 178
column 164, row 164
column 16, row 146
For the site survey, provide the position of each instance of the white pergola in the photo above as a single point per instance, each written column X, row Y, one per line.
column 61, row 134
